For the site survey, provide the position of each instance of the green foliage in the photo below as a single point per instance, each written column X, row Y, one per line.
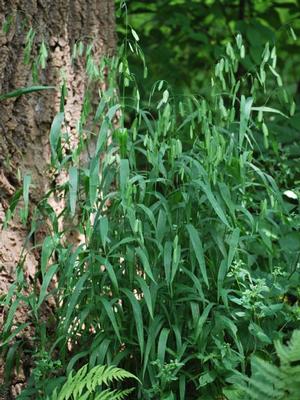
column 188, row 250
column 166, row 375
column 22, row 91
column 269, row 380
column 183, row 38
column 84, row 385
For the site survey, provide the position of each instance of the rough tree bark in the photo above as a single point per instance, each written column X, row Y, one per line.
column 25, row 121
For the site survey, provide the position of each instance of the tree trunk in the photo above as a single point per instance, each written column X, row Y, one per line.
column 25, row 121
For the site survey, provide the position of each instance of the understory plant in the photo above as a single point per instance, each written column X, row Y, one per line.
column 84, row 385
column 187, row 251
column 280, row 382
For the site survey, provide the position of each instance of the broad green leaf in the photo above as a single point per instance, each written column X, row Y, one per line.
column 196, row 282
column 46, row 280
column 182, row 386
column 124, row 175
column 206, row 378
column 149, row 214
column 137, row 313
column 100, row 109
column 55, row 133
column 268, row 110
column 102, row 136
column 110, row 271
column 176, row 258
column 161, row 226
column 63, row 95
column 111, row 315
column 145, row 262
column 162, row 344
column 12, row 206
column 144, row 115
column 202, row 320
column 225, row 193
column 290, row 242
column 126, row 240
column 93, row 180
column 168, row 260
column 72, row 303
column 103, row 222
column 257, row 331
column 198, row 249
column 112, row 111
column 153, row 330
column 14, row 334
column 233, row 244
column 10, row 316
column 47, row 248
column 105, row 99
column 221, row 275
column 26, row 185
column 10, row 359
column 74, row 359
column 146, row 293
column 102, row 351
column 215, row 205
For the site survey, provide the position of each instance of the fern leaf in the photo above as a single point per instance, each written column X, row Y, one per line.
column 83, row 384
column 265, row 370
column 113, row 394
column 272, row 382
column 267, row 389
column 290, row 353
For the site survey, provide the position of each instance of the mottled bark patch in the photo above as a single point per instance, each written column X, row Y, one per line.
column 25, row 121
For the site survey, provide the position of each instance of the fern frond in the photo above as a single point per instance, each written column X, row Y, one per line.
column 271, row 382
column 83, row 384
column 114, row 394
column 270, row 372
column 290, row 353
column 252, row 393
column 102, row 374
column 265, row 389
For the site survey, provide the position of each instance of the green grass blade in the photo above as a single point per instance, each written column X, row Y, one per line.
column 55, row 132
column 233, row 245
column 145, row 262
column 110, row 313
column 162, row 344
column 71, row 305
column 215, row 205
column 26, row 186
column 93, row 180
column 110, row 271
column 47, row 248
column 47, row 279
column 137, row 313
column 198, row 249
column 146, row 292
column 25, row 90
column 124, row 176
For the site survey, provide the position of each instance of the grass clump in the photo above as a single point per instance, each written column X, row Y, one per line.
column 188, row 249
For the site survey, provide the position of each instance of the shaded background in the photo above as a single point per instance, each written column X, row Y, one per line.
column 182, row 39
